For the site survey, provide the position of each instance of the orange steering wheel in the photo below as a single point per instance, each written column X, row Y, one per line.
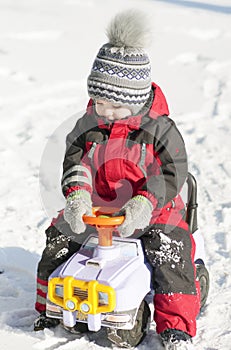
column 102, row 217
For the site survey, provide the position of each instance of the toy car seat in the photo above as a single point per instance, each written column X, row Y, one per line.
column 189, row 195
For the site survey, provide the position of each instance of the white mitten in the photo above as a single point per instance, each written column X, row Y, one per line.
column 138, row 213
column 78, row 203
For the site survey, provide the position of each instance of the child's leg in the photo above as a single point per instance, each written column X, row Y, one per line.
column 58, row 249
column 170, row 250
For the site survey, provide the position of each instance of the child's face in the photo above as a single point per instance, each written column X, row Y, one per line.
column 112, row 111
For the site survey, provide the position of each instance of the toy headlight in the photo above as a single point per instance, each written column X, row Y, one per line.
column 70, row 305
column 85, row 307
column 103, row 298
column 59, row 290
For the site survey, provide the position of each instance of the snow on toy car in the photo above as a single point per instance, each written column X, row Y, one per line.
column 104, row 284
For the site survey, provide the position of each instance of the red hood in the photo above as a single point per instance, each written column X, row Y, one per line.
column 159, row 105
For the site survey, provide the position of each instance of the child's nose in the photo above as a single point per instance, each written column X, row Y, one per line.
column 109, row 114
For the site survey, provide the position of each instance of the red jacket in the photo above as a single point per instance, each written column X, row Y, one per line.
column 143, row 154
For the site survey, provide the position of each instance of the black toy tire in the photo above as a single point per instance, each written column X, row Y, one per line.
column 130, row 338
column 202, row 275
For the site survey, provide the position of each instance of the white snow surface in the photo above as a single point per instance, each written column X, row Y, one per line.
column 47, row 48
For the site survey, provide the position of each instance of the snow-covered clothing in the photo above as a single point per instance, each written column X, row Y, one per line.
column 140, row 155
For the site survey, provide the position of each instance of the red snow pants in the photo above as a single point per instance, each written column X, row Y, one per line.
column 170, row 251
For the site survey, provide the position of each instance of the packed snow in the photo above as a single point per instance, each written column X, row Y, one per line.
column 46, row 51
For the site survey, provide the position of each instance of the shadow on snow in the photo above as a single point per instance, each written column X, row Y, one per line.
column 202, row 6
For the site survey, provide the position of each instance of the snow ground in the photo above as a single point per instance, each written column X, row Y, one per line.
column 46, row 52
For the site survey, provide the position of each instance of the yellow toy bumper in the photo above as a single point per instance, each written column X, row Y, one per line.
column 87, row 297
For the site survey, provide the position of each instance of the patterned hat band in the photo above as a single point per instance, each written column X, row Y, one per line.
column 114, row 93
column 130, row 73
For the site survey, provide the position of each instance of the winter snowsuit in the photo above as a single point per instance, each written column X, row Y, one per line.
column 140, row 155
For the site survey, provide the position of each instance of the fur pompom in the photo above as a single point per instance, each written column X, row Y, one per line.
column 129, row 28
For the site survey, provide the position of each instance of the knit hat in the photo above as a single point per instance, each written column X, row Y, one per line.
column 121, row 72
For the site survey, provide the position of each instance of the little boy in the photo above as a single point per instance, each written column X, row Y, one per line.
column 126, row 152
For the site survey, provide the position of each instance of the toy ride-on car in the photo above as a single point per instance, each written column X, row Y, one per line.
column 103, row 284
